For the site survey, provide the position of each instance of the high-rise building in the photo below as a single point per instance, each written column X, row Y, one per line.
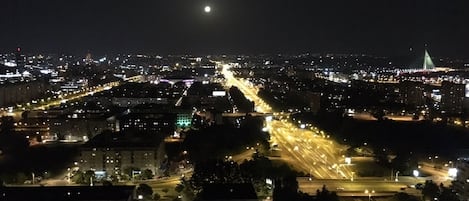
column 461, row 182
column 162, row 123
column 452, row 97
column 109, row 160
column 19, row 58
column 412, row 93
column 22, row 92
column 314, row 100
column 111, row 153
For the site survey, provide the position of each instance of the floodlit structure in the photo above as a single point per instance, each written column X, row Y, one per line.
column 427, row 62
column 427, row 66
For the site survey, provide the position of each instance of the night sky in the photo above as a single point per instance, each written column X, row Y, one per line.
column 380, row 27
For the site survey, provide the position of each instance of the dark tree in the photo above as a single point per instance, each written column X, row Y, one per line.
column 379, row 114
column 78, row 177
column 156, row 196
column 326, row 195
column 179, row 188
column 114, row 178
column 241, row 102
column 128, row 171
column 11, row 143
column 6, row 124
column 107, row 183
column 89, row 176
column 147, row 174
column 430, row 190
column 404, row 197
column 145, row 190
column 448, row 195
column 405, row 163
column 286, row 189
column 220, row 140
column 215, row 171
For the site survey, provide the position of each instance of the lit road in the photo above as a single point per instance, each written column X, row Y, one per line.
column 309, row 151
column 166, row 187
column 57, row 182
column 245, row 155
column 46, row 103
column 249, row 91
column 88, row 92
column 439, row 175
column 16, row 112
column 159, row 184
column 378, row 186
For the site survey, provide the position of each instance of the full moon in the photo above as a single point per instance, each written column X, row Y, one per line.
column 207, row 9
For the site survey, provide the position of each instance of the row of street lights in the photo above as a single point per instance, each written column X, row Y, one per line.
column 369, row 193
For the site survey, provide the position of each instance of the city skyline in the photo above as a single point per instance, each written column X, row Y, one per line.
column 232, row 27
column 272, row 100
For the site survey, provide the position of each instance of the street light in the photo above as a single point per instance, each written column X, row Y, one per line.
column 397, row 176
column 369, row 193
column 348, row 160
column 69, row 175
column 452, row 172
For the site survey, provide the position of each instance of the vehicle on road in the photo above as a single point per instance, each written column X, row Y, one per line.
column 419, row 186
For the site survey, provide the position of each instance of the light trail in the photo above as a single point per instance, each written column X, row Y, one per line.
column 308, row 151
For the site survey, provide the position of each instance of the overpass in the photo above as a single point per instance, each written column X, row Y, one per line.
column 376, row 186
column 255, row 114
column 137, row 78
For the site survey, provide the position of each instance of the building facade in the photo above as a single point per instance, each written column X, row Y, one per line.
column 461, row 183
column 114, row 160
column 452, row 97
column 163, row 123
column 22, row 92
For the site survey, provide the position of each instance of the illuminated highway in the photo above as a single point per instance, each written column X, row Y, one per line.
column 88, row 92
column 46, row 103
column 16, row 112
column 309, row 151
column 439, row 175
column 375, row 186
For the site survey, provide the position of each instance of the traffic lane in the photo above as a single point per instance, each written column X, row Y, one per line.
column 341, row 186
column 310, row 150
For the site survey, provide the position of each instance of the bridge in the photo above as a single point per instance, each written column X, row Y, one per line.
column 255, row 114
column 376, row 186
column 137, row 78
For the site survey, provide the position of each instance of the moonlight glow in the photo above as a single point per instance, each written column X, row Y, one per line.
column 207, row 9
